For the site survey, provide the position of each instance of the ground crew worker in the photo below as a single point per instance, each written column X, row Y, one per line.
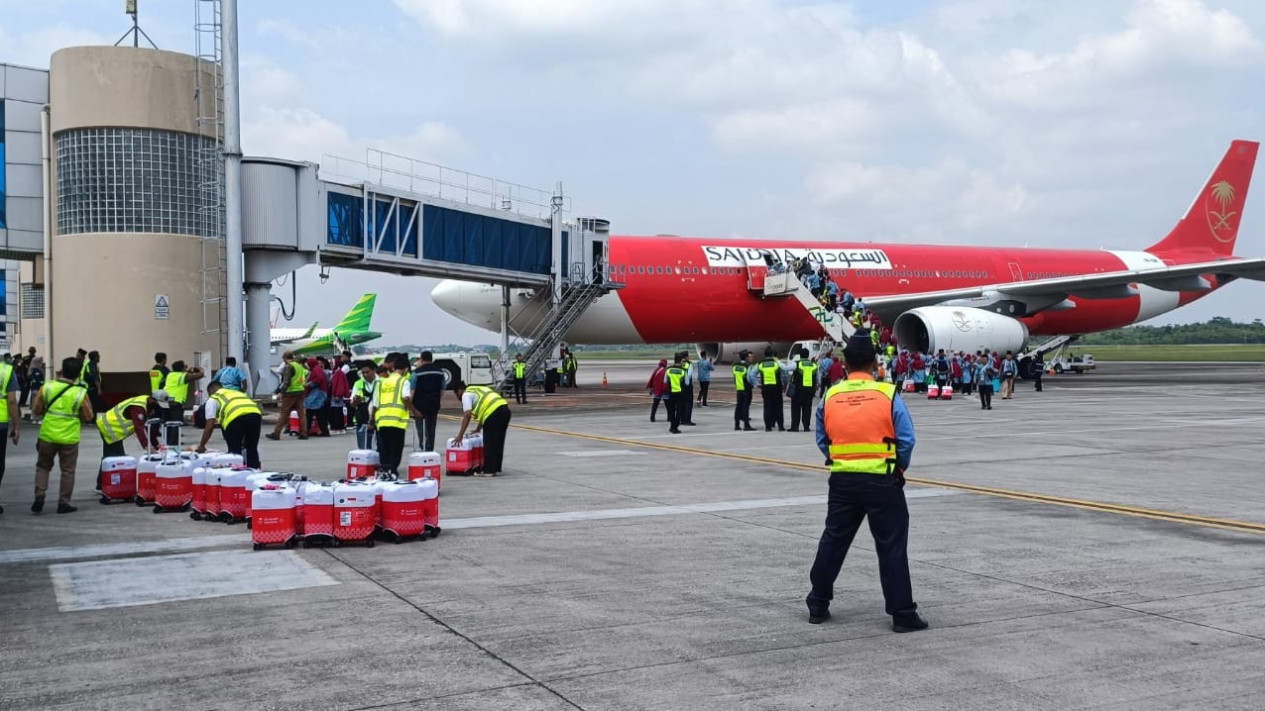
column 805, row 378
column 865, row 429
column 686, row 412
column 64, row 407
column 427, row 386
column 239, row 416
column 520, row 380
column 158, row 373
column 390, row 412
column 492, row 416
column 1038, row 370
column 177, row 387
column 742, row 388
column 293, row 390
column 10, row 413
column 770, row 378
column 82, row 356
column 361, row 395
column 675, row 377
column 119, row 422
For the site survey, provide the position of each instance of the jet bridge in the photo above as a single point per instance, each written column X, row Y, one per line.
column 398, row 215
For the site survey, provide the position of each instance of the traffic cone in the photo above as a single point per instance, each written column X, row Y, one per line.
column 604, row 381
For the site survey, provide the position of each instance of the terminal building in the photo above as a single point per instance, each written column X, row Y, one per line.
column 115, row 215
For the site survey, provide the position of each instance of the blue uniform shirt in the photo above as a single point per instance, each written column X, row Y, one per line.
column 900, row 418
column 705, row 367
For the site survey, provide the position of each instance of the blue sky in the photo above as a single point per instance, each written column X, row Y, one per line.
column 1080, row 123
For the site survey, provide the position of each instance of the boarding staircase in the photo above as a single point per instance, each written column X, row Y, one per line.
column 547, row 332
column 784, row 284
column 1052, row 344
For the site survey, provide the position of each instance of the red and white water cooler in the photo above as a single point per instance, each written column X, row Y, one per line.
column 233, row 494
column 430, row 505
column 355, row 512
column 404, row 509
column 459, row 458
column 476, row 444
column 946, row 392
column 173, row 484
column 199, row 492
column 146, row 469
column 318, row 510
column 362, row 464
column 273, row 522
column 295, row 428
column 933, row 392
column 213, row 487
column 224, row 460
column 424, row 464
column 118, row 479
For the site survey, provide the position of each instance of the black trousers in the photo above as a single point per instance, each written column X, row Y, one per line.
column 4, row 448
column 676, row 404
column 742, row 408
column 1036, row 378
column 772, row 395
column 852, row 498
column 703, row 385
column 175, row 413
column 687, row 406
column 520, row 390
column 985, row 395
column 242, row 437
column 802, row 408
column 494, row 429
column 426, row 425
column 390, row 448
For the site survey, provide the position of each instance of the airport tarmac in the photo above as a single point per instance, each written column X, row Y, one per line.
column 1097, row 545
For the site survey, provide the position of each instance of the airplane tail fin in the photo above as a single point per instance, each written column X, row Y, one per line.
column 1211, row 223
column 358, row 318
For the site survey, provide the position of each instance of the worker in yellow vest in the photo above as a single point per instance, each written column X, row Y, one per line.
column 491, row 414
column 64, row 407
column 10, row 413
column 239, row 416
column 676, row 378
column 520, row 380
column 770, row 378
column 292, row 390
column 742, row 391
column 178, row 382
column 123, row 420
column 867, row 435
column 158, row 373
column 804, row 379
column 391, row 410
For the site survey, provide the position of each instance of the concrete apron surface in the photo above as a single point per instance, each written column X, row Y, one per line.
column 1097, row 545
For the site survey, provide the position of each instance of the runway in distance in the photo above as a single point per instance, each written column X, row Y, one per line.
column 935, row 296
column 351, row 331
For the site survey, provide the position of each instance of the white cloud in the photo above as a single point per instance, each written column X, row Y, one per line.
column 33, row 48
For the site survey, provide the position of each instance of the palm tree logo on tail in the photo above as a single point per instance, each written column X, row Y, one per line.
column 1222, row 193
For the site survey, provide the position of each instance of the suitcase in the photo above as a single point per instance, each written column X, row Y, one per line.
column 355, row 513
column 424, row 464
column 273, row 523
column 403, row 510
column 118, row 479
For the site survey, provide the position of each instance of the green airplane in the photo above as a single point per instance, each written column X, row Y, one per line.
column 351, row 331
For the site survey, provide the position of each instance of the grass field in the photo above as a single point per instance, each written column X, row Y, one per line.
column 1219, row 352
column 1175, row 353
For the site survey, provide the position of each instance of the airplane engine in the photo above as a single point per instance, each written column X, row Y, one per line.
column 727, row 353
column 959, row 328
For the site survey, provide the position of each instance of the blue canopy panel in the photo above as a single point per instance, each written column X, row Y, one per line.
column 482, row 241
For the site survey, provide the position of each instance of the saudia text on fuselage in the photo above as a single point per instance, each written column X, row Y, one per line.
column 831, row 258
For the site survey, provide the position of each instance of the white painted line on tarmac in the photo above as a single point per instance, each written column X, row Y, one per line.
column 128, row 582
column 114, row 551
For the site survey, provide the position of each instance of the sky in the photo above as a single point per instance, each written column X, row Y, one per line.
column 1082, row 123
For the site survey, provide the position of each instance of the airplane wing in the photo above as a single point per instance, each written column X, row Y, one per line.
column 1036, row 295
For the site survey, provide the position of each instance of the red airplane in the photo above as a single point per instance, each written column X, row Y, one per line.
column 710, row 291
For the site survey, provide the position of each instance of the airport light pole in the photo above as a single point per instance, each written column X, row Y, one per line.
column 233, row 301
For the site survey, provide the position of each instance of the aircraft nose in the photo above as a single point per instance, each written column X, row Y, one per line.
column 466, row 302
column 447, row 296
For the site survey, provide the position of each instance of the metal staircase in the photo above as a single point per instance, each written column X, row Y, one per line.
column 1053, row 344
column 547, row 333
column 209, row 104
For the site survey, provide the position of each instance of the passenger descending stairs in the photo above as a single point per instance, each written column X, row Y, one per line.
column 548, row 333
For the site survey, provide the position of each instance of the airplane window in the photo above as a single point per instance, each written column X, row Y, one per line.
column 704, row 271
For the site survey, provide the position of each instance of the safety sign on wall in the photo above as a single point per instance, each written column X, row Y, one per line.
column 162, row 307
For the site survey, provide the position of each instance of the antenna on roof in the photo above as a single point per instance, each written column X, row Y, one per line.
column 136, row 33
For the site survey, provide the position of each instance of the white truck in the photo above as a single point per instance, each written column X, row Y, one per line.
column 473, row 367
column 1071, row 363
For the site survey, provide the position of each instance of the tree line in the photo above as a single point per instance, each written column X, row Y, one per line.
column 1217, row 330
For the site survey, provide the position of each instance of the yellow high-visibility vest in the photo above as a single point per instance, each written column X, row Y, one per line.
column 233, row 404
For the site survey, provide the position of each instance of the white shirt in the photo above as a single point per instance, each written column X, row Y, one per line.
column 467, row 401
column 212, row 408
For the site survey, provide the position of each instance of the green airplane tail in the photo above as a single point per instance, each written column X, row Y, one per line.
column 357, row 320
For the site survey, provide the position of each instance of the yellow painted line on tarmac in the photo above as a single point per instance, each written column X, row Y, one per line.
column 1031, row 497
